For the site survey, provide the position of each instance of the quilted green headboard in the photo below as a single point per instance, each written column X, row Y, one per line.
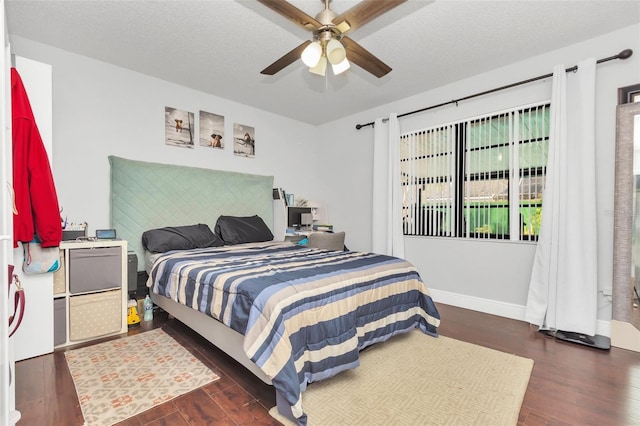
column 151, row 195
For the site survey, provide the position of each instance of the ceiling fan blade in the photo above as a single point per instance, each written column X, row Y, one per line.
column 285, row 60
column 364, row 59
column 292, row 13
column 363, row 12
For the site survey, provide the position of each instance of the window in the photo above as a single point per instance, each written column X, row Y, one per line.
column 479, row 178
column 629, row 94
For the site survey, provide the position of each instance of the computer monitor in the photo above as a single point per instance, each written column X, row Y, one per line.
column 294, row 216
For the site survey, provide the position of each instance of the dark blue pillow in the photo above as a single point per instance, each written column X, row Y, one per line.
column 180, row 238
column 238, row 230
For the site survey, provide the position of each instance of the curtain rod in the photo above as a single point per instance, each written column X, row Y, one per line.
column 622, row 55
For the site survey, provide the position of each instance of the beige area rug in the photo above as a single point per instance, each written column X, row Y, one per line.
column 415, row 379
column 120, row 378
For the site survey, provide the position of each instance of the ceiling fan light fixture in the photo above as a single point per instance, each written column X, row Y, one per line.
column 335, row 52
column 328, row 26
column 341, row 67
column 321, row 67
column 311, row 54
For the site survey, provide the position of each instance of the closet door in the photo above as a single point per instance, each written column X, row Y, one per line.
column 35, row 335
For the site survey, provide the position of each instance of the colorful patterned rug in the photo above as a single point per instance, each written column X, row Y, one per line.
column 415, row 379
column 120, row 378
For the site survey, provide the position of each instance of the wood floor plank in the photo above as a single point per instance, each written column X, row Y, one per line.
column 173, row 419
column 197, row 408
column 242, row 407
column 156, row 413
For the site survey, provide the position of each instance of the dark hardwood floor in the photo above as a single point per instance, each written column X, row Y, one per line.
column 570, row 384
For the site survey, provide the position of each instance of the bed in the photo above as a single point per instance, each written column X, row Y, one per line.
column 290, row 314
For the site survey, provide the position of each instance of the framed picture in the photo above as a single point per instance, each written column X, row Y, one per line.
column 244, row 142
column 211, row 130
column 178, row 127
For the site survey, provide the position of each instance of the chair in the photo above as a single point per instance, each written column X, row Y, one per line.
column 326, row 240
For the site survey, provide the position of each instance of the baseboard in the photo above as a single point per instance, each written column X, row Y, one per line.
column 496, row 307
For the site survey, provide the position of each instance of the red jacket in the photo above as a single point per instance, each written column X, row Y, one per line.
column 36, row 200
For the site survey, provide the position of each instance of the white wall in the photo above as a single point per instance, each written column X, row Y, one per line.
column 486, row 275
column 101, row 110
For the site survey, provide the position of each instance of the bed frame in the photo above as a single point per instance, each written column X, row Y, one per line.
column 224, row 338
column 152, row 195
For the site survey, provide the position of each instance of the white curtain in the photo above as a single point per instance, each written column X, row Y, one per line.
column 564, row 279
column 386, row 232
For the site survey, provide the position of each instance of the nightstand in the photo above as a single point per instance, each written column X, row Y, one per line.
column 90, row 291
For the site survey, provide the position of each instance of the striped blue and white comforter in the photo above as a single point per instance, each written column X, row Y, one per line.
column 305, row 313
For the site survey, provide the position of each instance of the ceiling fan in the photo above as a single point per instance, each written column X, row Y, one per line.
column 330, row 43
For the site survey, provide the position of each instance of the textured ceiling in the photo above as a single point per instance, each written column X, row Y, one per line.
column 220, row 46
